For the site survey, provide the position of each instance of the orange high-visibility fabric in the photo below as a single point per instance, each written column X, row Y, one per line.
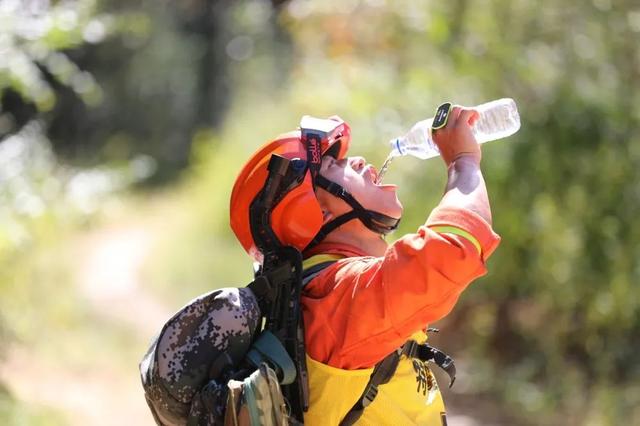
column 362, row 308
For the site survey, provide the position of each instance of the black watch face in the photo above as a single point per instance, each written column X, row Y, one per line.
column 442, row 114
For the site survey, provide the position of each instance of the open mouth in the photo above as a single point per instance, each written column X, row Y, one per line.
column 375, row 179
column 373, row 174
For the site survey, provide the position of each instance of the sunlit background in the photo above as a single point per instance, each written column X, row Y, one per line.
column 123, row 125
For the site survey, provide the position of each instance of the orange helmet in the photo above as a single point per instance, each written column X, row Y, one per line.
column 297, row 217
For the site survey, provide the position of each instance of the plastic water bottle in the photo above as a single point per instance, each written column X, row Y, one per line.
column 498, row 119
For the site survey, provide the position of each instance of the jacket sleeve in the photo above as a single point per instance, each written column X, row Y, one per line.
column 377, row 304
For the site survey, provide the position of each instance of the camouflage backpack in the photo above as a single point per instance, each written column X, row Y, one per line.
column 201, row 364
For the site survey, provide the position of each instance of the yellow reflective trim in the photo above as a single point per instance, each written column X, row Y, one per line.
column 460, row 232
column 318, row 259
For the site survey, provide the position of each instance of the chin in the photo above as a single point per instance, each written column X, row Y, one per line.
column 398, row 213
column 396, row 210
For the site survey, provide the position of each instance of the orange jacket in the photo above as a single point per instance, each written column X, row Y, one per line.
column 362, row 308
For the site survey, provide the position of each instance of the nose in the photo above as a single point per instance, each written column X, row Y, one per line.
column 357, row 163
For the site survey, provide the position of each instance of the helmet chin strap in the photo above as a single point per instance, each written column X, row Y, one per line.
column 377, row 222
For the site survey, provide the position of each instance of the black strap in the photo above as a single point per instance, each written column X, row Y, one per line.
column 264, row 286
column 385, row 369
column 328, row 227
column 377, row 222
column 283, row 176
column 382, row 373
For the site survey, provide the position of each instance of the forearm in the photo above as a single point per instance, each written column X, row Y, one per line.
column 466, row 188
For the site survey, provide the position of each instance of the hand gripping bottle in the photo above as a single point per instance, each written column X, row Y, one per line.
column 498, row 119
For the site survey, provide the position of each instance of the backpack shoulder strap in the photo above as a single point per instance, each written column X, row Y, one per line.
column 382, row 373
column 385, row 369
column 265, row 286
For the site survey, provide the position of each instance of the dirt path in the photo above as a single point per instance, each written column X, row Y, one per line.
column 109, row 278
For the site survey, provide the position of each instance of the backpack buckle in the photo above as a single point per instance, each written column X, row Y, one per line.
column 410, row 349
column 427, row 353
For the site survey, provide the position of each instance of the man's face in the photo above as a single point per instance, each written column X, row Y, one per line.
column 358, row 178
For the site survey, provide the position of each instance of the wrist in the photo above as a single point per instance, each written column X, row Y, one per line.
column 467, row 157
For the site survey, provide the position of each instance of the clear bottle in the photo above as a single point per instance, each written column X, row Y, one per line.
column 498, row 119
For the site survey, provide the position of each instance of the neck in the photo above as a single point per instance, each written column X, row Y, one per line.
column 358, row 236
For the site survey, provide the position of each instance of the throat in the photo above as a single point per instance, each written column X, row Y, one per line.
column 358, row 240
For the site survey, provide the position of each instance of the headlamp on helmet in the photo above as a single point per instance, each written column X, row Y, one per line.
column 289, row 210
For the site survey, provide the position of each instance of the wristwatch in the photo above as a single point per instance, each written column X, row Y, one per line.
column 441, row 116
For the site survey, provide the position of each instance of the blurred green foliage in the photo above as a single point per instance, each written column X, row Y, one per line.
column 33, row 38
column 552, row 332
column 554, row 326
column 112, row 79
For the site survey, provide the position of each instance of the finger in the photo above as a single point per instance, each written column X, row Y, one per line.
column 453, row 116
column 469, row 116
column 475, row 116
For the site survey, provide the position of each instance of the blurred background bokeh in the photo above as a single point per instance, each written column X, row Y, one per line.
column 123, row 125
